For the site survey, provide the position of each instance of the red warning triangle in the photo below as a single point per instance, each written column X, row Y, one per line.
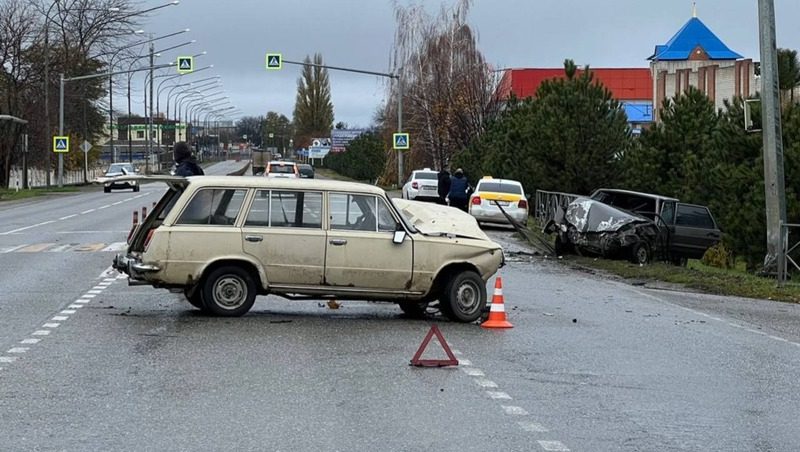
column 451, row 361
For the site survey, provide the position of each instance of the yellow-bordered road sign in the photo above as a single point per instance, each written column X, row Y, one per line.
column 185, row 64
column 60, row 144
column 274, row 61
column 401, row 141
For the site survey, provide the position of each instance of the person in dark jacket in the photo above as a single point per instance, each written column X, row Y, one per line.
column 444, row 185
column 459, row 190
column 186, row 165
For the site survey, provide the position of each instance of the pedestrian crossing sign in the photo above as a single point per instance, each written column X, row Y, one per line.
column 60, row 144
column 185, row 64
column 274, row 61
column 401, row 141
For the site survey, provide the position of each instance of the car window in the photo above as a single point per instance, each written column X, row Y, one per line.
column 386, row 221
column 668, row 212
column 281, row 169
column 214, row 206
column 353, row 212
column 258, row 215
column 295, row 209
column 497, row 187
column 428, row 176
column 694, row 216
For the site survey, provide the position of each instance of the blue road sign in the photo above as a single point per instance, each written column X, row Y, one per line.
column 60, row 144
column 274, row 61
column 401, row 141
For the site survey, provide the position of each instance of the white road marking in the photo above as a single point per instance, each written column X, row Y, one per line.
column 13, row 248
column 75, row 306
column 529, row 426
column 99, row 287
column 88, row 296
column 87, row 211
column 118, row 202
column 17, row 350
column 455, row 352
column 95, row 291
column 69, row 216
column 514, row 410
column 28, row 227
column 30, row 341
column 7, row 359
column 498, row 395
column 68, row 311
column 51, row 325
column 60, row 248
column 553, row 446
column 104, row 284
column 81, row 301
column 41, row 332
column 472, row 372
column 484, row 383
column 464, row 362
column 60, row 318
column 104, row 207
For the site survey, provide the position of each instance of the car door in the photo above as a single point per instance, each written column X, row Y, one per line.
column 695, row 231
column 360, row 252
column 283, row 230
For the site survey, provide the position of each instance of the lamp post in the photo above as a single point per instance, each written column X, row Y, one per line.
column 212, row 81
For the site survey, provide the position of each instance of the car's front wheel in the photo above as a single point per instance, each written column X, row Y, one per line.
column 229, row 291
column 464, row 297
column 640, row 254
column 414, row 309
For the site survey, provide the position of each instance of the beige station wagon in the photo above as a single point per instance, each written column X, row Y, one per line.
column 222, row 240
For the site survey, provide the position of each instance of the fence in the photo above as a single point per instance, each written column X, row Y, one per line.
column 38, row 177
column 548, row 202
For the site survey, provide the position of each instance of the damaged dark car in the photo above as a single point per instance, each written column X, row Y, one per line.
column 594, row 228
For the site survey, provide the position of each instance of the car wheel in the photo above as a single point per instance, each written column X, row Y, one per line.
column 195, row 297
column 640, row 253
column 228, row 291
column 464, row 297
column 561, row 247
column 136, row 188
column 679, row 261
column 414, row 310
column 107, row 189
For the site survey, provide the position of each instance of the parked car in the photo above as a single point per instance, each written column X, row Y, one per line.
column 637, row 225
column 306, row 171
column 223, row 240
column 282, row 169
column 492, row 194
column 109, row 179
column 422, row 185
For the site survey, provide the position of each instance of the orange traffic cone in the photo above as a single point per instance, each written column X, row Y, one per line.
column 497, row 311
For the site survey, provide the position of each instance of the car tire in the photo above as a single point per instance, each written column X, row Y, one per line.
column 464, row 297
column 195, row 297
column 414, row 309
column 228, row 291
column 561, row 247
column 679, row 261
column 107, row 189
column 136, row 188
column 640, row 253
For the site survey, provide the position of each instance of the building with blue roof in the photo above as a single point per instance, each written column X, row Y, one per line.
column 696, row 57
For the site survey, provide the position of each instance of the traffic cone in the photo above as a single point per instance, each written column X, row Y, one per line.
column 497, row 310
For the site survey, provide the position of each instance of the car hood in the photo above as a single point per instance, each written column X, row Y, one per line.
column 588, row 215
column 436, row 219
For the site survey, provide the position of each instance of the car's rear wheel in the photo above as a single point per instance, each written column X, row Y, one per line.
column 136, row 188
column 464, row 297
column 640, row 253
column 229, row 291
column 414, row 310
column 107, row 189
column 195, row 297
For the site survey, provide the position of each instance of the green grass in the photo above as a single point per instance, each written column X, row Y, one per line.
column 11, row 195
column 696, row 276
column 331, row 174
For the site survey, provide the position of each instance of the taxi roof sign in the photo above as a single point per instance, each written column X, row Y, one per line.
column 185, row 64
column 401, row 141
column 60, row 144
column 274, row 61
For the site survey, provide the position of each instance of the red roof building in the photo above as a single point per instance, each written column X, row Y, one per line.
column 625, row 84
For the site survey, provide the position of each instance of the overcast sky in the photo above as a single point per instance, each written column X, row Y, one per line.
column 359, row 33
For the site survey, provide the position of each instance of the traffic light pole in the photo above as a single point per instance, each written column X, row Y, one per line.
column 400, row 170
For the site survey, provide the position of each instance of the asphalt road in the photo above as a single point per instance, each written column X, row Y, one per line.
column 88, row 363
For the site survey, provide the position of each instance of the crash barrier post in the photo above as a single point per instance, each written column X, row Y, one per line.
column 135, row 217
column 548, row 203
column 497, row 311
column 144, row 212
column 787, row 250
column 418, row 362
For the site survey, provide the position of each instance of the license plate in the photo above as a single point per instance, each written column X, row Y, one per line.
column 502, row 203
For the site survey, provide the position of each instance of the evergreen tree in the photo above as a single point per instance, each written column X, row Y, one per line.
column 313, row 110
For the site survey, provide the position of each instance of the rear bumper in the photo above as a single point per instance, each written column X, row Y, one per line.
column 133, row 266
column 496, row 216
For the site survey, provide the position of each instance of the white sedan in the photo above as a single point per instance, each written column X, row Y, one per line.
column 423, row 185
column 492, row 194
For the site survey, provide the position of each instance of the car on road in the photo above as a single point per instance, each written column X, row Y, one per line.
column 306, row 171
column 109, row 179
column 492, row 197
column 282, row 169
column 223, row 240
column 422, row 185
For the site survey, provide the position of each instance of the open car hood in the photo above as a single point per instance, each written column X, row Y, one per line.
column 588, row 215
column 175, row 182
column 435, row 219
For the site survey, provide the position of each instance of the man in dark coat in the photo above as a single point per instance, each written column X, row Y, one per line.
column 459, row 190
column 444, row 185
column 186, row 165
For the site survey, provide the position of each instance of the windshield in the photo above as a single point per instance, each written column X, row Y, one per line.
column 118, row 168
column 281, row 169
column 499, row 187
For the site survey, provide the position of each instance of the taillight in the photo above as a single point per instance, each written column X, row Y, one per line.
column 148, row 238
column 476, row 200
column 523, row 204
column 414, row 185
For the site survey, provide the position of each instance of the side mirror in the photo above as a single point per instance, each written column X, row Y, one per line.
column 399, row 237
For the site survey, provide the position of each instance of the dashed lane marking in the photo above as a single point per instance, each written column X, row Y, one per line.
column 30, row 340
column 18, row 350
column 41, row 332
column 484, row 383
column 75, row 306
column 11, row 249
column 69, row 216
column 69, row 311
column 27, row 227
column 529, row 426
column 514, row 410
column 498, row 395
column 472, row 372
column 7, row 359
column 553, row 446
column 51, row 325
column 87, row 211
column 60, row 318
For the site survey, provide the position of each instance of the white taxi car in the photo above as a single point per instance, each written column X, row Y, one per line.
column 492, row 194
column 222, row 240
column 422, row 185
column 281, row 169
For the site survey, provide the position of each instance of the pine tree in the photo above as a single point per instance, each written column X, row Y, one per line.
column 313, row 110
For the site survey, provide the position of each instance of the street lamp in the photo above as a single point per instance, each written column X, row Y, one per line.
column 212, row 81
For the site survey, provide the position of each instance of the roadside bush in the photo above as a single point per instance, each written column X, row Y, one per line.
column 719, row 256
column 364, row 158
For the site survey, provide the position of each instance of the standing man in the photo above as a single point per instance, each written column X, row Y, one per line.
column 444, row 185
column 459, row 188
column 186, row 165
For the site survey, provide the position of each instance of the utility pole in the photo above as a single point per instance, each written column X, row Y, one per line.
column 774, row 188
column 150, row 116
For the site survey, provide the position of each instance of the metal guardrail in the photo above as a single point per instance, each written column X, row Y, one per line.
column 548, row 202
column 787, row 251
